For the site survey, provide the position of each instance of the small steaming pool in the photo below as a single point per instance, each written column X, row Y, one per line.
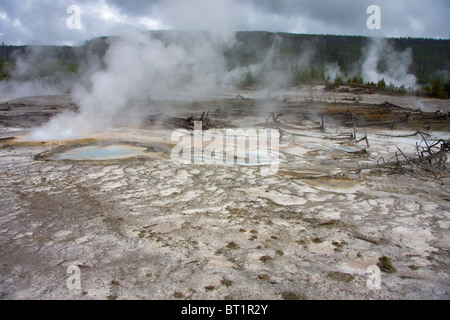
column 101, row 152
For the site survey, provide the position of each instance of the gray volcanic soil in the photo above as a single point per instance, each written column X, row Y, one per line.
column 147, row 227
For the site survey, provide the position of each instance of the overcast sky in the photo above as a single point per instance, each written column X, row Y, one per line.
column 45, row 21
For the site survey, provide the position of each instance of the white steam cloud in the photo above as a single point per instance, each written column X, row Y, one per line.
column 140, row 66
column 332, row 71
column 151, row 66
column 396, row 64
column 34, row 74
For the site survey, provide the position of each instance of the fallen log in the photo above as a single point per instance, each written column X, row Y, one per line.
column 405, row 135
column 430, row 161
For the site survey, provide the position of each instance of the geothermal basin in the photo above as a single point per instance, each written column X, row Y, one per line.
column 136, row 224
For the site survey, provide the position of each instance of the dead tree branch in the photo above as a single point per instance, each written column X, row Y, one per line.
column 430, row 160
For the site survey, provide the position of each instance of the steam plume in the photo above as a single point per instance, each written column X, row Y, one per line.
column 395, row 65
column 140, row 66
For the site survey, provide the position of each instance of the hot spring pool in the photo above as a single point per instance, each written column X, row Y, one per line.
column 105, row 152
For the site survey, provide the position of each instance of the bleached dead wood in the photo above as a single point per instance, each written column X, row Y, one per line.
column 430, row 160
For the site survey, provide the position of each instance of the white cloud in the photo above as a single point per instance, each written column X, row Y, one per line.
column 105, row 12
column 43, row 21
column 16, row 23
column 150, row 23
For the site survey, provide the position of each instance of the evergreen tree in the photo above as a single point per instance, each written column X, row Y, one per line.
column 249, row 80
column 437, row 90
column 447, row 89
column 381, row 84
column 338, row 81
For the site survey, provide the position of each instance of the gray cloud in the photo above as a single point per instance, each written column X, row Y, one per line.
column 44, row 22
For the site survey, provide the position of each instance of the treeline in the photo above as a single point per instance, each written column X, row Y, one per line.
column 430, row 58
column 436, row 90
column 46, row 60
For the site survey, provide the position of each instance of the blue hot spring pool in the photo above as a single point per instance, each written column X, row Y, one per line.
column 103, row 152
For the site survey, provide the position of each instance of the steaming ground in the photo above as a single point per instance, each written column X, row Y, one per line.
column 146, row 227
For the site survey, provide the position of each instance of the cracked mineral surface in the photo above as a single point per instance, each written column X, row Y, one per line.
column 147, row 227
